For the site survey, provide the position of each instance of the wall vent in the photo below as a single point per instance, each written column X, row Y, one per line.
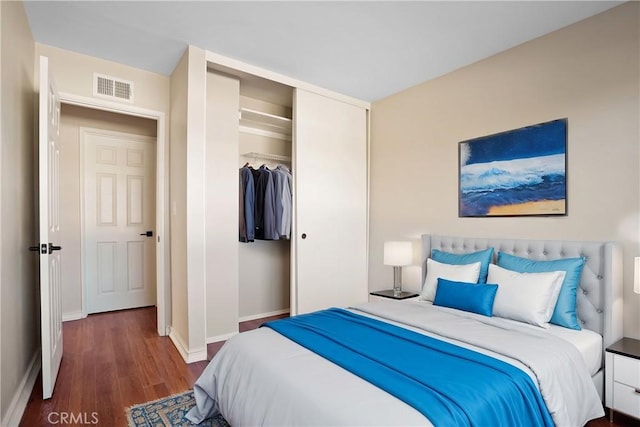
column 112, row 88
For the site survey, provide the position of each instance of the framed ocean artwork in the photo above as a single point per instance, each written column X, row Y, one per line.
column 514, row 173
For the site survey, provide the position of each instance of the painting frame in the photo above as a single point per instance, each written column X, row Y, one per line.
column 518, row 172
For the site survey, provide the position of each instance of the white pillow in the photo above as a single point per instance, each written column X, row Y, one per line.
column 467, row 273
column 527, row 297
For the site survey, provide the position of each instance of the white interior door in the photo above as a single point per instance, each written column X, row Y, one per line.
column 119, row 220
column 49, row 229
column 330, row 197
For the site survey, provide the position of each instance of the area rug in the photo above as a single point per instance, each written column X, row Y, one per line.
column 168, row 411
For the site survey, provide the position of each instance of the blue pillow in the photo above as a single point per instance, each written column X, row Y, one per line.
column 564, row 313
column 471, row 297
column 484, row 257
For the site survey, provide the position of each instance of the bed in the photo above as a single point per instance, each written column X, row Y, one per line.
column 262, row 378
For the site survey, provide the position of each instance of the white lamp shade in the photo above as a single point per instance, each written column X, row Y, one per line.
column 636, row 275
column 398, row 253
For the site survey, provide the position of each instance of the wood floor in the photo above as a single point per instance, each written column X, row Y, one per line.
column 114, row 360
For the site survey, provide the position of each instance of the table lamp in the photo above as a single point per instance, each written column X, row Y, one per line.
column 398, row 254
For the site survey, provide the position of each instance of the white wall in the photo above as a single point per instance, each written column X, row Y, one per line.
column 587, row 72
column 19, row 313
column 71, row 120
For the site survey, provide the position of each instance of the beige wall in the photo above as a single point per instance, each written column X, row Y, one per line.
column 195, row 207
column 73, row 73
column 72, row 119
column 178, row 202
column 588, row 72
column 265, row 271
column 221, row 205
column 18, row 273
column 188, row 105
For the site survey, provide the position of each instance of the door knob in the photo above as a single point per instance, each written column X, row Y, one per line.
column 53, row 247
column 148, row 233
column 39, row 248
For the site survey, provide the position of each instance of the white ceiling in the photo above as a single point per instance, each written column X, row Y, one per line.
column 365, row 49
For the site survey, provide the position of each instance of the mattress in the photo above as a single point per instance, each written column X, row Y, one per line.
column 285, row 384
column 587, row 342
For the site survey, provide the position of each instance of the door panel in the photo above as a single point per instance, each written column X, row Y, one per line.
column 135, row 263
column 106, row 201
column 134, row 199
column 49, row 229
column 106, row 267
column 330, row 197
column 119, row 208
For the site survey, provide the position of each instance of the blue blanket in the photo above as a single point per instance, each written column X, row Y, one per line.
column 450, row 385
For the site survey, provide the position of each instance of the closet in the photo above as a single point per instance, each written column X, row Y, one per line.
column 265, row 128
column 322, row 139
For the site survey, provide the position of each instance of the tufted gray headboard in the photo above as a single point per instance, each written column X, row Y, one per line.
column 599, row 303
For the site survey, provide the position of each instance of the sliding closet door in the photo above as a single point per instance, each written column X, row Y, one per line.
column 329, row 266
column 221, row 206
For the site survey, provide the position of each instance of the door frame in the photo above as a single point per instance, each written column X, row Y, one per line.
column 163, row 297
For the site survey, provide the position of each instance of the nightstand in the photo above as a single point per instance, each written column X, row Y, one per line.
column 387, row 295
column 622, row 377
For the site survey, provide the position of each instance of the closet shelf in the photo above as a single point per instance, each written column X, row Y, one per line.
column 266, row 124
column 266, row 118
column 266, row 156
column 265, row 132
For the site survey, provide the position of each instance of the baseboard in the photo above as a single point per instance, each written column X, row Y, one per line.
column 224, row 337
column 76, row 315
column 21, row 398
column 263, row 315
column 189, row 356
column 218, row 338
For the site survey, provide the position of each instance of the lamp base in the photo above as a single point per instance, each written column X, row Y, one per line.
column 397, row 281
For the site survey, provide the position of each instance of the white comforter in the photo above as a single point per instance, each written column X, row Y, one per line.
column 261, row 378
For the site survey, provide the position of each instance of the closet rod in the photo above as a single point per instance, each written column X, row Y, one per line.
column 266, row 156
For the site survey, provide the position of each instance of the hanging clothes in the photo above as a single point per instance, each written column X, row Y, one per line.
column 258, row 208
column 269, row 230
column 265, row 203
column 241, row 219
column 278, row 178
column 286, row 200
column 247, row 202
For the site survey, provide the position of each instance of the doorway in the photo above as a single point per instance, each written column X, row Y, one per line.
column 78, row 113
